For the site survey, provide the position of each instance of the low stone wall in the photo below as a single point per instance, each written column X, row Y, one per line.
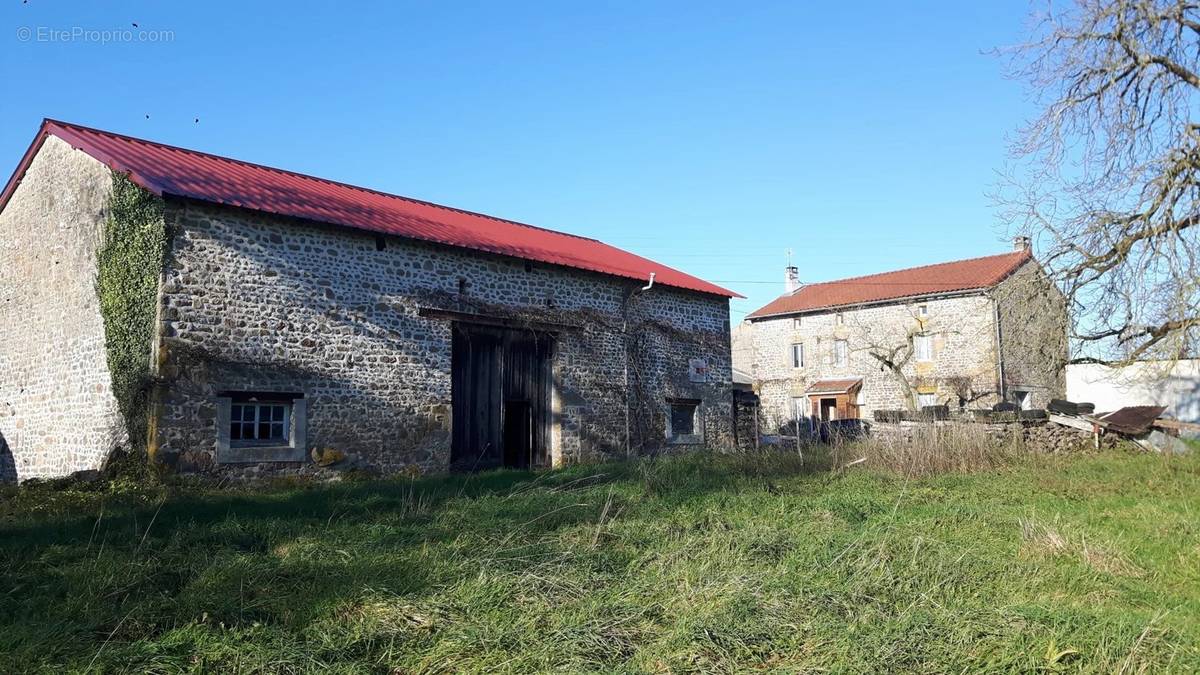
column 1039, row 435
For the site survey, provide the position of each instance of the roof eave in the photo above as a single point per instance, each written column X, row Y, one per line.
column 873, row 303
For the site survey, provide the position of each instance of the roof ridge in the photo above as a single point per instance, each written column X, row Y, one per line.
column 1025, row 254
column 330, row 181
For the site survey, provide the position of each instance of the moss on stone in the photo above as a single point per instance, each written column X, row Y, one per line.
column 129, row 264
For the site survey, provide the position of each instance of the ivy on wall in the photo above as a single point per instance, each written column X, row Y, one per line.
column 129, row 264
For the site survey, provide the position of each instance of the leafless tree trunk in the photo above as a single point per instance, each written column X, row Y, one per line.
column 1108, row 176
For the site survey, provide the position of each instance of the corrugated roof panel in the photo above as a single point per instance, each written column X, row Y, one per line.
column 168, row 170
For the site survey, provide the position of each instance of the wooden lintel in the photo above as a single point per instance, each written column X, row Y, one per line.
column 491, row 320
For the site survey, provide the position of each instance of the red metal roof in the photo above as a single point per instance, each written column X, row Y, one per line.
column 168, row 170
column 833, row 386
column 949, row 277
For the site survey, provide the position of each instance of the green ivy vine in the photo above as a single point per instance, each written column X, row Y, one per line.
column 130, row 262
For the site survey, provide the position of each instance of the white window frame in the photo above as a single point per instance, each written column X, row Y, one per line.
column 926, row 400
column 923, row 347
column 841, row 353
column 293, row 447
column 922, row 310
column 797, row 355
column 248, row 416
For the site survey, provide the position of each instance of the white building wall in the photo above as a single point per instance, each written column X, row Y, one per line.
column 1175, row 385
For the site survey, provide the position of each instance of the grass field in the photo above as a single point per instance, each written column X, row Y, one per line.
column 699, row 563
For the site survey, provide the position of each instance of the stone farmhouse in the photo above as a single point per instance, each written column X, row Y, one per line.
column 968, row 333
column 238, row 318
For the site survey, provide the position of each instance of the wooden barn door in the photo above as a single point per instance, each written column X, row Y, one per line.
column 501, row 397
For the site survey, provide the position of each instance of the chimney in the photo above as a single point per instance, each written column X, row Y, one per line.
column 1022, row 244
column 791, row 279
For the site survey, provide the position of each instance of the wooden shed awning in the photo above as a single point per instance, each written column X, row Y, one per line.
column 834, row 386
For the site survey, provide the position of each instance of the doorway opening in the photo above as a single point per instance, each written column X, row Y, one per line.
column 500, row 395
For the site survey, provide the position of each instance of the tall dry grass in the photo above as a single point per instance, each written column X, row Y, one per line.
column 930, row 449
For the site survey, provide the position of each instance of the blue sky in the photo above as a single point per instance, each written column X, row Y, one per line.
column 709, row 136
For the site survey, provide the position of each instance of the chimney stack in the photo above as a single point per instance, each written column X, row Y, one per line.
column 1022, row 243
column 791, row 279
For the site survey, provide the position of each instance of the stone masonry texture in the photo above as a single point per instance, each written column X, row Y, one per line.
column 259, row 303
column 57, row 410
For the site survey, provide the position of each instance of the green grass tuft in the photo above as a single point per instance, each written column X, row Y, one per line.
column 694, row 563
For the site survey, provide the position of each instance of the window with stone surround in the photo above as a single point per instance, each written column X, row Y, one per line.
column 259, row 423
column 683, row 421
column 798, row 355
column 840, row 353
column 261, row 427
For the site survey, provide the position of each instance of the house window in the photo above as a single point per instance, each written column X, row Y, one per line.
column 923, row 310
column 840, row 355
column 259, row 423
column 796, row 323
column 261, row 427
column 839, row 319
column 923, row 346
column 798, row 355
column 926, row 400
column 683, row 421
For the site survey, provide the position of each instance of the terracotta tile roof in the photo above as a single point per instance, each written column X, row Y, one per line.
column 833, row 386
column 948, row 277
column 168, row 170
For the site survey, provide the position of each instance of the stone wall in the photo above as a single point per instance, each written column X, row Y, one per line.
column 57, row 410
column 964, row 364
column 253, row 302
column 1033, row 326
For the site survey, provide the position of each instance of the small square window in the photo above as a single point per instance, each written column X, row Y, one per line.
column 683, row 419
column 259, row 423
column 683, row 422
column 923, row 310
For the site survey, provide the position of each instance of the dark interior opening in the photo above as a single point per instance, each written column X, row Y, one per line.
column 518, row 434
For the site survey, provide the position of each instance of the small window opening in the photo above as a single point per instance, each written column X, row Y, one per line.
column 840, row 353
column 840, row 319
column 462, row 285
column 380, row 242
column 924, row 400
column 260, row 423
column 683, row 421
column 798, row 355
column 796, row 323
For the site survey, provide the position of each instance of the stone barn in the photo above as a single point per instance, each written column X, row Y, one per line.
column 239, row 318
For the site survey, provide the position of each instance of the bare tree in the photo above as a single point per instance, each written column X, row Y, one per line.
column 1108, row 176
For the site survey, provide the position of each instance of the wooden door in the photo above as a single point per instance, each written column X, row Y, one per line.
column 501, row 384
